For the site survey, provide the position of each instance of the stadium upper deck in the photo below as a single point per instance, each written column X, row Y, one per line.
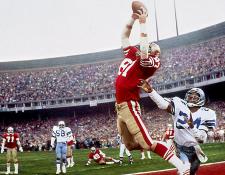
column 208, row 33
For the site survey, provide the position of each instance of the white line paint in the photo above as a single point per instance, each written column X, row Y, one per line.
column 172, row 169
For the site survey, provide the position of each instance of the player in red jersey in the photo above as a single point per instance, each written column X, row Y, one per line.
column 169, row 134
column 99, row 157
column 69, row 152
column 138, row 64
column 11, row 141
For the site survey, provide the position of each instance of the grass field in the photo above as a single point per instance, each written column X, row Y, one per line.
column 43, row 163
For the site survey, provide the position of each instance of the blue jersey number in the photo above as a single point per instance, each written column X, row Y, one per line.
column 180, row 122
column 60, row 133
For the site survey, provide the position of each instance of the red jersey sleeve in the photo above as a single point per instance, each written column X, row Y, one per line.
column 131, row 52
column 4, row 136
column 90, row 155
column 16, row 136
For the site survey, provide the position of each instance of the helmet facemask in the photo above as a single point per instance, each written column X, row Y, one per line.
column 154, row 50
column 195, row 97
column 10, row 130
column 93, row 149
column 61, row 124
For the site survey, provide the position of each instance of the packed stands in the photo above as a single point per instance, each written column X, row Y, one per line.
column 89, row 79
column 97, row 128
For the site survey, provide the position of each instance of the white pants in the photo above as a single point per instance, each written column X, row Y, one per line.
column 122, row 149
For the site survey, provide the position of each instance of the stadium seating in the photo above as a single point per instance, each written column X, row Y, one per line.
column 90, row 79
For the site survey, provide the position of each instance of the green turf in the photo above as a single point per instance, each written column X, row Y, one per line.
column 43, row 163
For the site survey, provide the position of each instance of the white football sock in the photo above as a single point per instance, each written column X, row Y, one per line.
column 16, row 167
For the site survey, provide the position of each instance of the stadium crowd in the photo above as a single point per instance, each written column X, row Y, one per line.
column 87, row 79
column 99, row 128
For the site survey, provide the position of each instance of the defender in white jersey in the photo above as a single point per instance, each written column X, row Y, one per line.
column 123, row 149
column 191, row 123
column 61, row 134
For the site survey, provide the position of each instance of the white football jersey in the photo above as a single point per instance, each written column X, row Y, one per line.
column 203, row 118
column 61, row 134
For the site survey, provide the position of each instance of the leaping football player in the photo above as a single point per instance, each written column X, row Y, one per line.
column 139, row 64
column 11, row 141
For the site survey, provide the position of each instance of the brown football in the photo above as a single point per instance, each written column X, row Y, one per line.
column 136, row 5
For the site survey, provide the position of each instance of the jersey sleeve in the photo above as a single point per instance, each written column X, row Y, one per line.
column 150, row 62
column 175, row 105
column 16, row 136
column 90, row 156
column 4, row 136
column 210, row 119
column 69, row 132
column 131, row 52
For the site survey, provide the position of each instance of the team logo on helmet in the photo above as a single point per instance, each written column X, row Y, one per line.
column 195, row 97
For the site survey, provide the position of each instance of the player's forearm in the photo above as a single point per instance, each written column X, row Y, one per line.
column 3, row 145
column 52, row 140
column 103, row 154
column 18, row 143
column 126, row 33
column 144, row 45
column 158, row 99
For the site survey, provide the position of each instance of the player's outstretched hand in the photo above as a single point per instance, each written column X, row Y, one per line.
column 143, row 15
column 143, row 84
column 135, row 16
column 2, row 151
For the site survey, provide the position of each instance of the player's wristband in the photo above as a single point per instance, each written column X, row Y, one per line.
column 143, row 28
column 144, row 44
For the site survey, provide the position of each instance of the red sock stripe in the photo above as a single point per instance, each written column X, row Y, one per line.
column 168, row 158
column 169, row 153
column 134, row 109
column 161, row 150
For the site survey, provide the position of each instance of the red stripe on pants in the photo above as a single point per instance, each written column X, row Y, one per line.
column 137, row 118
